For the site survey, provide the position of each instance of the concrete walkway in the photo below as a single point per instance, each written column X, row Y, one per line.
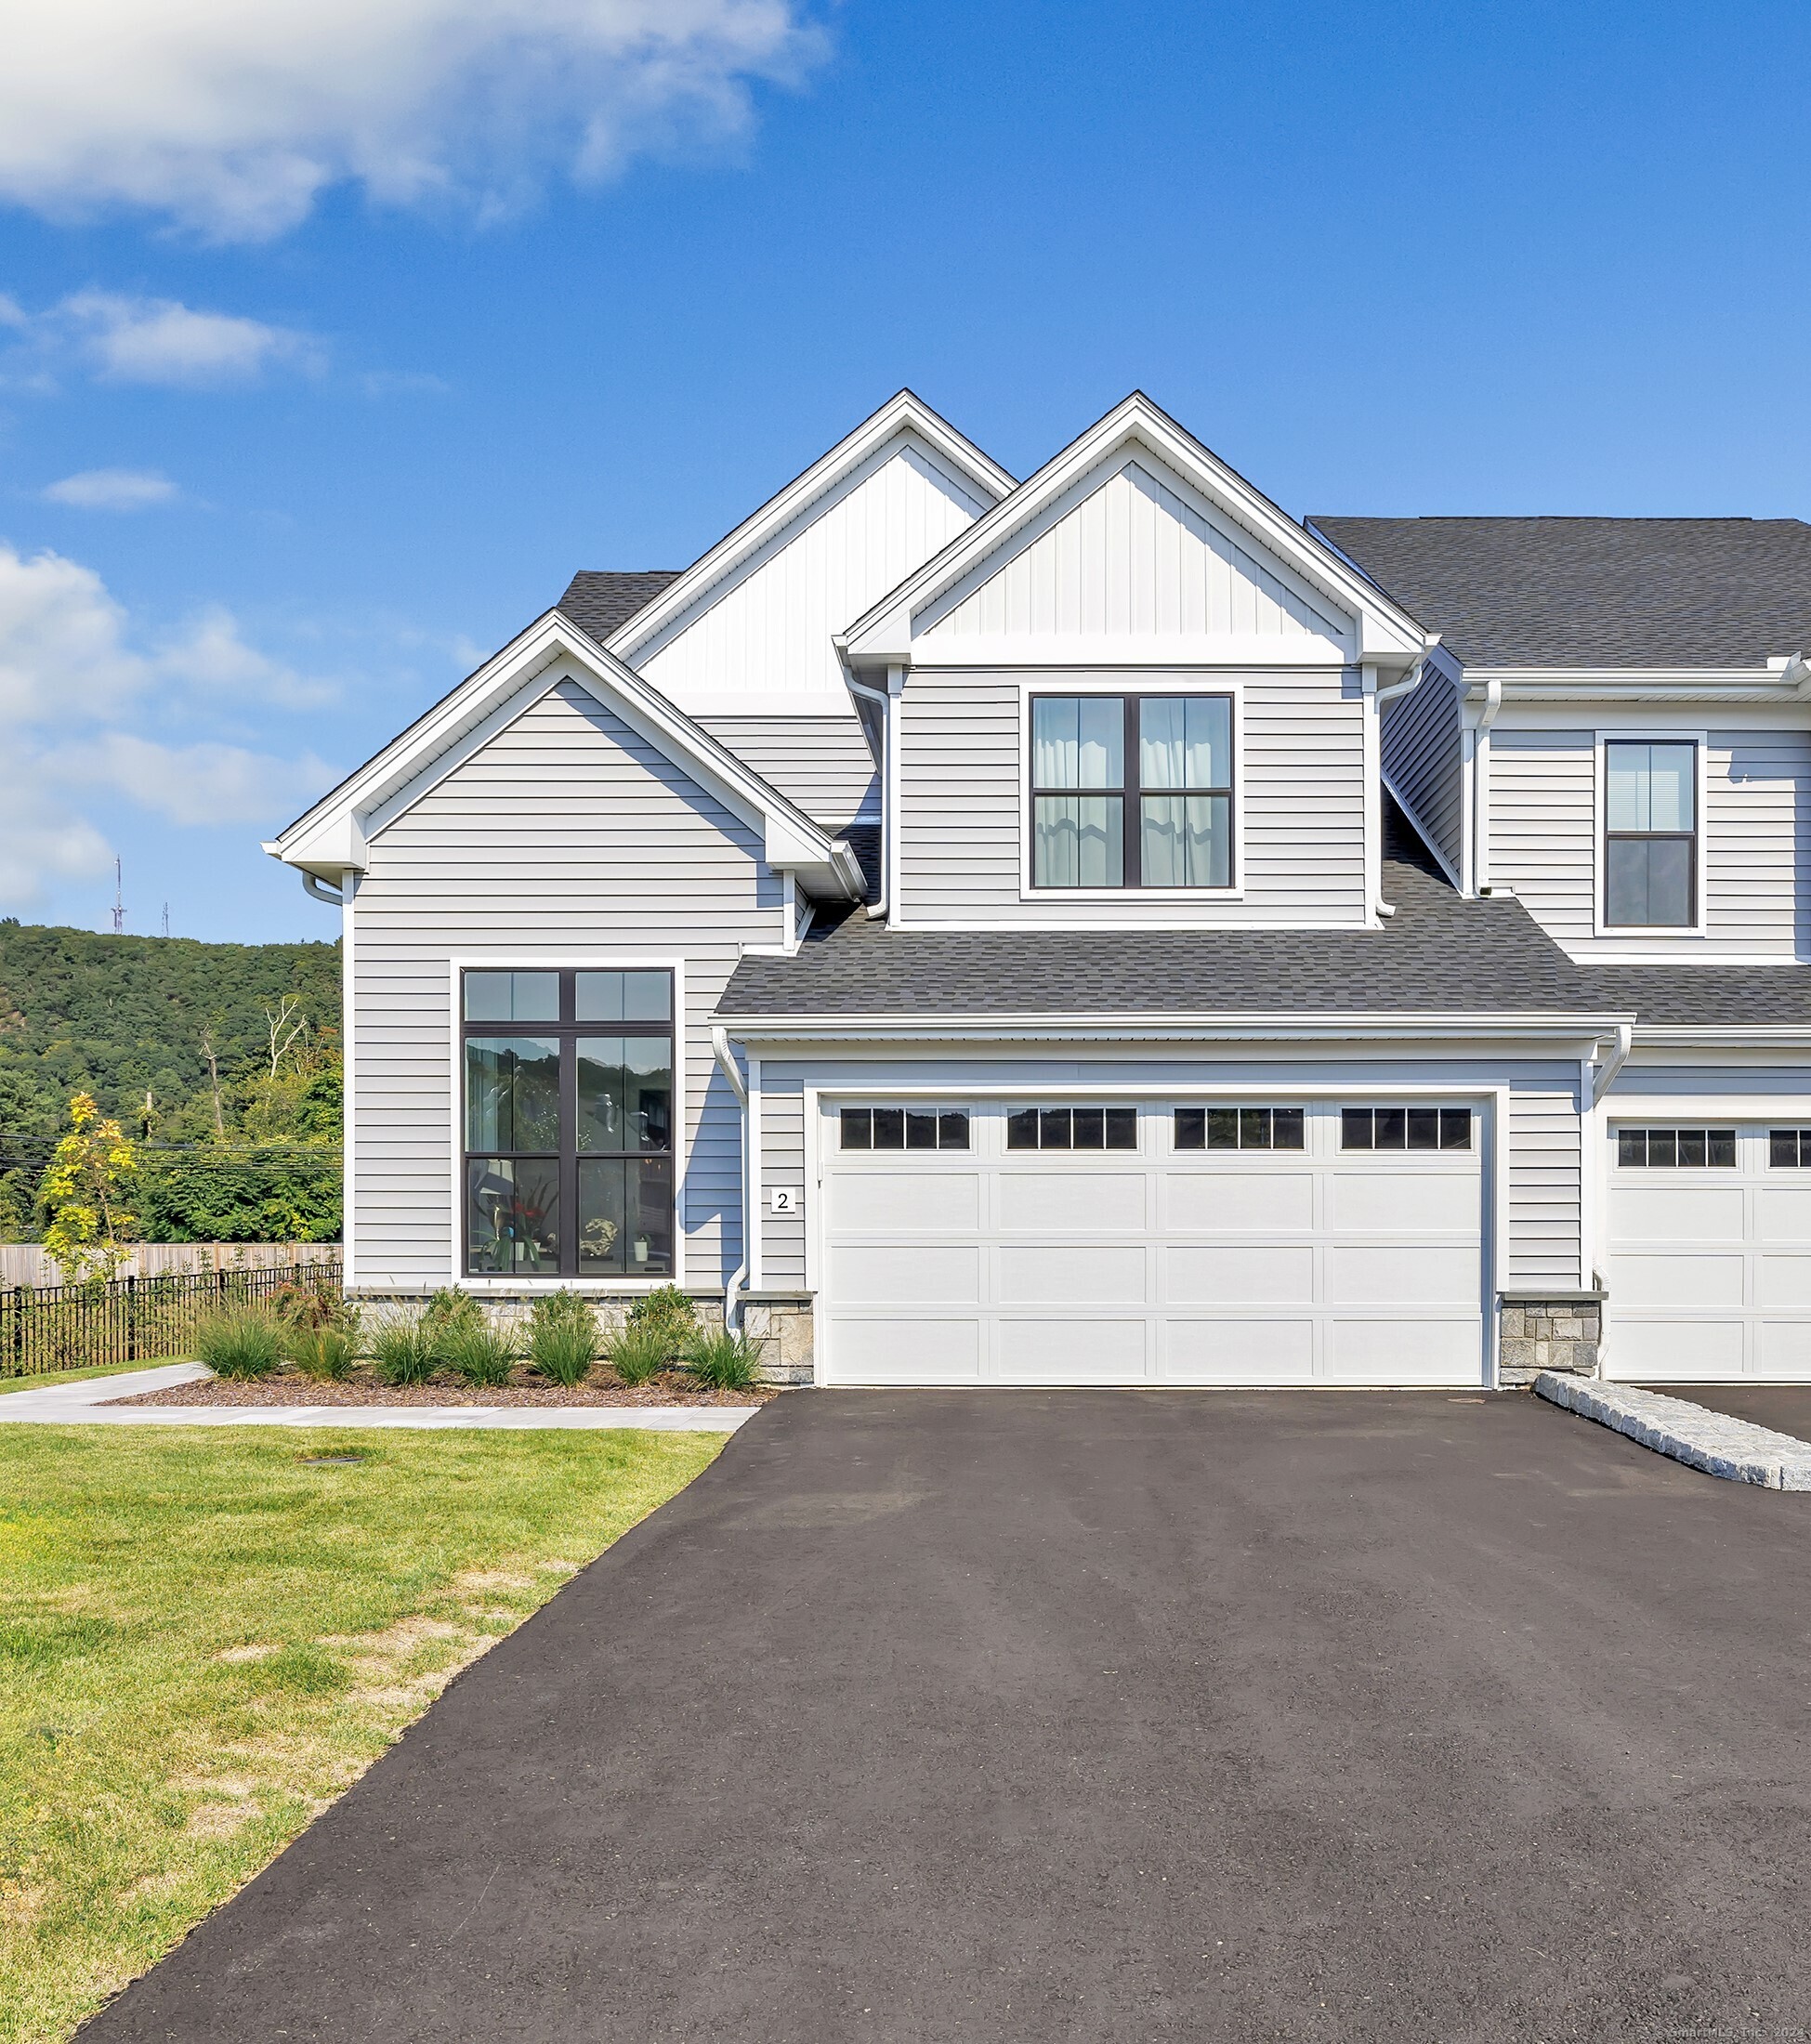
column 84, row 1403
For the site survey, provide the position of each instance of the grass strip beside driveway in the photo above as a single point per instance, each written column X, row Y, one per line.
column 48, row 1380
column 206, row 1636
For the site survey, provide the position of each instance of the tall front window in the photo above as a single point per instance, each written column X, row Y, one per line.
column 569, row 1123
column 1650, row 835
column 1131, row 791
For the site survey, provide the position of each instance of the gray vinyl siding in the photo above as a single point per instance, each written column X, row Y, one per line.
column 1754, row 844
column 782, row 1164
column 1421, row 754
column 566, row 836
column 961, row 803
column 822, row 763
column 1545, row 1222
column 1545, row 1185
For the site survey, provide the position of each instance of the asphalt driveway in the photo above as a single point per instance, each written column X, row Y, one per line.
column 1085, row 1716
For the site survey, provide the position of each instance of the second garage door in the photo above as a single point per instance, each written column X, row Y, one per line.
column 1041, row 1242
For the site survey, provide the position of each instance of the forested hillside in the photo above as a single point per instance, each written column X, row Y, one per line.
column 223, row 1059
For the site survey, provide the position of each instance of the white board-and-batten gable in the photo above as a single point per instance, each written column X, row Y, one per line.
column 749, row 629
column 1134, row 543
column 335, row 837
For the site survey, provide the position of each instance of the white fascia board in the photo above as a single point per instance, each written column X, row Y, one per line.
column 1565, row 1029
column 1388, row 635
column 1782, row 1036
column 333, row 836
column 1640, row 685
column 903, row 413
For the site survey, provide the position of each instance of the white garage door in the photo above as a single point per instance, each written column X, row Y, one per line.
column 1056, row 1243
column 1710, row 1251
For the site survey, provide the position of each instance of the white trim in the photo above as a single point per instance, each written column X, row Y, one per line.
column 1386, row 633
column 528, row 959
column 1095, row 683
column 1662, row 936
column 349, row 1043
column 1580, row 1031
column 892, row 833
column 903, row 414
column 994, row 651
column 757, row 1221
column 1643, row 685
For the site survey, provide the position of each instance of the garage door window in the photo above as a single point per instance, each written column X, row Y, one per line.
column 1405, row 1128
column 904, row 1129
column 1072, row 1129
column 1239, row 1128
column 1677, row 1150
column 1789, row 1148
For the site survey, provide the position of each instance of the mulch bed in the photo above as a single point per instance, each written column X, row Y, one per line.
column 289, row 1388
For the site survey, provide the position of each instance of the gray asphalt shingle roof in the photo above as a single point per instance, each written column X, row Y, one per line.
column 1704, row 996
column 1594, row 592
column 602, row 600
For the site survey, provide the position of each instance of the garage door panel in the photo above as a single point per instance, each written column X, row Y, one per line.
column 1677, row 1278
column 1404, row 1352
column 1782, row 1280
column 1401, row 1274
column 1073, row 1274
column 1680, row 1214
column 1783, row 1214
column 923, row 1348
column 1061, row 1202
column 902, row 1272
column 1683, row 1350
column 1237, row 1273
column 1235, row 1202
column 900, row 1203
column 1075, row 1349
column 1782, row 1348
column 1395, row 1201
column 1238, row 1352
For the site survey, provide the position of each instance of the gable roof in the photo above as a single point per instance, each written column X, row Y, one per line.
column 1571, row 592
column 333, row 837
column 905, row 412
column 601, row 600
column 1387, row 632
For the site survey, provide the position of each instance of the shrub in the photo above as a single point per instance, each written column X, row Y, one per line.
column 403, row 1350
column 722, row 1360
column 480, row 1354
column 321, row 1352
column 449, row 1309
column 669, row 1310
column 314, row 1303
column 638, row 1352
column 562, row 1340
column 241, row 1342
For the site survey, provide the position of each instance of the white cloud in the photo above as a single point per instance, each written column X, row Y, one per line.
column 233, row 118
column 75, row 673
column 160, row 341
column 113, row 489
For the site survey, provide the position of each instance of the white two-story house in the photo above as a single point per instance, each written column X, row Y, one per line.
column 1098, row 929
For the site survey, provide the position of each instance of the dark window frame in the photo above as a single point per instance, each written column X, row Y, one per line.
column 1675, row 1138
column 946, row 1136
column 1407, row 1120
column 1690, row 838
column 1131, row 789
column 567, row 1030
column 1202, row 1130
column 1113, row 1121
column 1796, row 1140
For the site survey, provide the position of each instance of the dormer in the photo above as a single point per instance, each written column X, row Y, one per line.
column 1133, row 692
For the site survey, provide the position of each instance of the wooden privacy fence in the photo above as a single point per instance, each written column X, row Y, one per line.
column 27, row 1262
column 135, row 1319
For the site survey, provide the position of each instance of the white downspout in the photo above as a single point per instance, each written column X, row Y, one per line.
column 876, row 910
column 313, row 884
column 1378, row 697
column 1481, row 787
column 1614, row 1063
column 727, row 1064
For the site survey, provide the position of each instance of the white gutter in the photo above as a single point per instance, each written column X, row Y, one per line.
column 725, row 1059
column 1379, row 697
column 1264, row 1028
column 313, row 884
column 1614, row 1063
column 1481, row 788
column 876, row 909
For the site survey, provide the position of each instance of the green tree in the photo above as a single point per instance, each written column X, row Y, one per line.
column 89, row 1229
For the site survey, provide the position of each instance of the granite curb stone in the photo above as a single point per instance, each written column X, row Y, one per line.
column 1736, row 1450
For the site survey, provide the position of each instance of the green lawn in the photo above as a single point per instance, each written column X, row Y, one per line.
column 46, row 1379
column 205, row 1638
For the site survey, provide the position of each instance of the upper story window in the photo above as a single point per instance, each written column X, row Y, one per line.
column 1650, row 834
column 569, row 1123
column 1132, row 791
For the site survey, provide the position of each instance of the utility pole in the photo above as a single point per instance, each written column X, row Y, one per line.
column 119, row 901
column 166, row 919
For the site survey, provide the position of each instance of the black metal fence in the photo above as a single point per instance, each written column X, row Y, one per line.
column 137, row 1320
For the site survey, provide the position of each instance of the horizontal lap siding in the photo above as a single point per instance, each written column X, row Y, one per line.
column 822, row 763
column 1756, row 845
column 1545, row 1188
column 566, row 835
column 782, row 1164
column 1421, row 751
column 962, row 800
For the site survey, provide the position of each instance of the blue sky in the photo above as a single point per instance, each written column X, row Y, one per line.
column 331, row 387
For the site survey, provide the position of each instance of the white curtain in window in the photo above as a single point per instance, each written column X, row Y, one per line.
column 1078, row 841
column 1650, row 787
column 1078, row 741
column 1186, row 841
column 1184, row 742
